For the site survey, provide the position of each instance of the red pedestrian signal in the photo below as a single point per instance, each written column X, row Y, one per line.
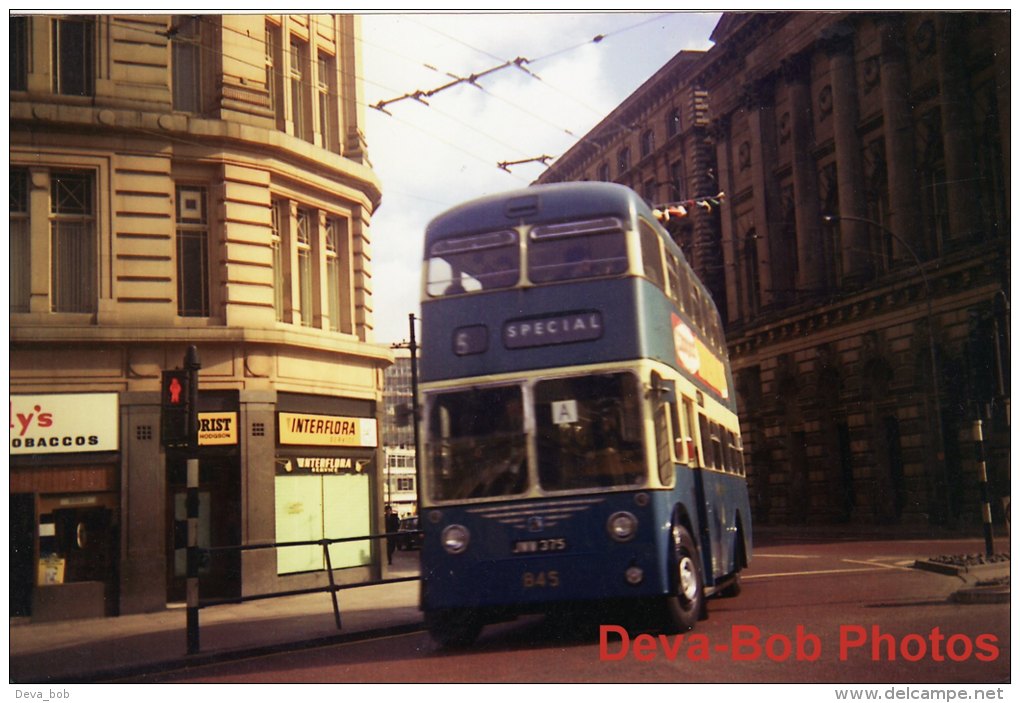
column 176, row 410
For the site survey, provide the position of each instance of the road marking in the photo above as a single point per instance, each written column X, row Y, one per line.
column 786, row 556
column 876, row 563
column 806, row 573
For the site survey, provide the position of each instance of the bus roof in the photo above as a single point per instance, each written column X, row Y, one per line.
column 552, row 202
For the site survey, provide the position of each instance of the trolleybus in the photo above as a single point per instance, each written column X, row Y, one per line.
column 580, row 441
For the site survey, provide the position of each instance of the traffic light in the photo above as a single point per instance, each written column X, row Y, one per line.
column 176, row 409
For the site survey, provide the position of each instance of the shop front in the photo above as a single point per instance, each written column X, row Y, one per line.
column 65, row 498
column 324, row 485
column 219, row 502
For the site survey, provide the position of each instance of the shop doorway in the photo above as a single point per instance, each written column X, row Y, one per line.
column 219, row 525
column 22, row 554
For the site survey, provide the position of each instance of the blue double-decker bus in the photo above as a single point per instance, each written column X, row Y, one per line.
column 580, row 440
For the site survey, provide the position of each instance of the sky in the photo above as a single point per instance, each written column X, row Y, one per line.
column 431, row 157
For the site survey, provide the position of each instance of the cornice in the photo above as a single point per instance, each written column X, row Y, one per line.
column 900, row 295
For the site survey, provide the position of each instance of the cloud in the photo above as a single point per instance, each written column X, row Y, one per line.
column 435, row 156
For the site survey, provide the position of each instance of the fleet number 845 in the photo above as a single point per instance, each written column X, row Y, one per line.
column 540, row 579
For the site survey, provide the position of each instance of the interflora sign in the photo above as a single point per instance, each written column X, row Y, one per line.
column 327, row 430
column 62, row 423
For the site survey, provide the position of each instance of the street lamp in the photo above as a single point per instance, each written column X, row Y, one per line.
column 940, row 446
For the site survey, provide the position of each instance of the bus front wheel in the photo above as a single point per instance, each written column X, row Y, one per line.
column 453, row 628
column 685, row 604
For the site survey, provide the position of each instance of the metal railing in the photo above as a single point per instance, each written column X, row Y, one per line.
column 332, row 588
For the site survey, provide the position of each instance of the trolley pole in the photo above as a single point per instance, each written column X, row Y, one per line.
column 986, row 506
column 191, row 366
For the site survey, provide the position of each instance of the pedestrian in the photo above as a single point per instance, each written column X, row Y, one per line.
column 392, row 525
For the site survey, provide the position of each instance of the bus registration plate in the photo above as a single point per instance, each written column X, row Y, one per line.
column 539, row 546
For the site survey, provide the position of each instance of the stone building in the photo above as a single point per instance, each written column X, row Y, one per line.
column 401, row 460
column 860, row 254
column 188, row 180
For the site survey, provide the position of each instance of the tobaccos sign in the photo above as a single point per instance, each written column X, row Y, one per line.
column 64, row 423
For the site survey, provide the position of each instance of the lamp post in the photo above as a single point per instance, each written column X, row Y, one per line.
column 936, row 391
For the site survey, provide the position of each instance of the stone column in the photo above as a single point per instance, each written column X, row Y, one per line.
column 955, row 102
column 797, row 73
column 774, row 271
column 905, row 212
column 857, row 262
column 720, row 131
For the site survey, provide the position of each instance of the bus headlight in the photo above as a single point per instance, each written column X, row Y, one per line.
column 622, row 526
column 455, row 539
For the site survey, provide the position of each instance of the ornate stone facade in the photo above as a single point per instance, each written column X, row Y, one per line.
column 176, row 180
column 864, row 236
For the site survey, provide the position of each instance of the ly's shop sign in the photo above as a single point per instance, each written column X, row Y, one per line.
column 327, row 430
column 62, row 423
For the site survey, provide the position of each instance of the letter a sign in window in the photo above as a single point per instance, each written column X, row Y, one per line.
column 564, row 412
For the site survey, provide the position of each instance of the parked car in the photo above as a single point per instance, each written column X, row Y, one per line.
column 408, row 534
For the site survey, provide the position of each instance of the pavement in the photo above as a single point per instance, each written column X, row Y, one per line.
column 131, row 646
column 106, row 649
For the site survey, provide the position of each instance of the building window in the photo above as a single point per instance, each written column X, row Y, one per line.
column 623, row 161
column 304, row 255
column 752, row 274
column 192, row 252
column 279, row 210
column 274, row 76
column 405, row 484
column 673, row 122
column 647, row 143
column 73, row 242
column 19, row 53
column 934, row 191
column 73, row 56
column 335, row 277
column 649, row 193
column 20, row 263
column 676, row 180
column 604, row 173
column 186, row 44
column 327, row 104
column 299, row 90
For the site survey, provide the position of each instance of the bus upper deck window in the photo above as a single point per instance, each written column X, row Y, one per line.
column 572, row 250
column 473, row 263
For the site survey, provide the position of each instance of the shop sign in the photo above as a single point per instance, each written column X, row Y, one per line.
column 64, row 423
column 327, row 430
column 306, row 465
column 217, row 428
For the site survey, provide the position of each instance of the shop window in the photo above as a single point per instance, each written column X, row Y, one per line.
column 317, row 507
